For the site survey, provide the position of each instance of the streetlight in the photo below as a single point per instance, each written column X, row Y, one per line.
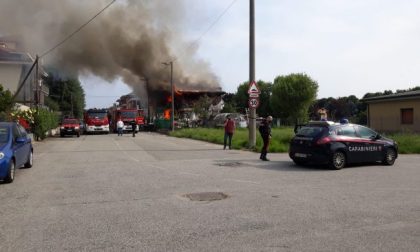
column 172, row 94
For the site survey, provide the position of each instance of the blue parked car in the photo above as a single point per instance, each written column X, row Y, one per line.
column 15, row 150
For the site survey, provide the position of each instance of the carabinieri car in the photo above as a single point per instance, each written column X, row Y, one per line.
column 339, row 144
column 15, row 150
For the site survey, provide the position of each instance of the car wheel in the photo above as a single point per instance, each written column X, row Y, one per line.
column 30, row 160
column 78, row 134
column 61, row 135
column 390, row 156
column 10, row 173
column 338, row 160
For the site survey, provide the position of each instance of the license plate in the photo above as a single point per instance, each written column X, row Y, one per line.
column 301, row 155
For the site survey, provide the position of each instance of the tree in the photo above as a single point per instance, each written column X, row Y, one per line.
column 6, row 102
column 242, row 97
column 229, row 103
column 68, row 94
column 292, row 95
column 201, row 107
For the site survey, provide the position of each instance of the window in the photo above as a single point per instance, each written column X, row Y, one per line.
column 365, row 132
column 407, row 116
column 346, row 131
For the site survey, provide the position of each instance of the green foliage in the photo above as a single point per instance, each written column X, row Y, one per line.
column 44, row 120
column 230, row 105
column 68, row 94
column 279, row 141
column 201, row 107
column 292, row 95
column 6, row 103
column 242, row 97
column 407, row 143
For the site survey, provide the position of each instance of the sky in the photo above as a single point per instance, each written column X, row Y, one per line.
column 349, row 47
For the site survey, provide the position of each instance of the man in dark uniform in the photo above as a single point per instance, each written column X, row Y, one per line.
column 265, row 131
column 133, row 127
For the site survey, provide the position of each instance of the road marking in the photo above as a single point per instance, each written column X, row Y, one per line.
column 243, row 181
column 125, row 153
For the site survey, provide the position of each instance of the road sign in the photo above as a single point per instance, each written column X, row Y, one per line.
column 252, row 95
column 253, row 102
column 253, row 89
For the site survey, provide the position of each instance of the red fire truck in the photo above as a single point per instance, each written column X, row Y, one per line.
column 96, row 120
column 127, row 115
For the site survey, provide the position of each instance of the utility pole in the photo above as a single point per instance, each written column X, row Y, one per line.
column 252, row 110
column 172, row 96
column 38, row 98
column 146, row 81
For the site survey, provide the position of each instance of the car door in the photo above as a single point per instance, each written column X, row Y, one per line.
column 372, row 146
column 18, row 147
column 347, row 135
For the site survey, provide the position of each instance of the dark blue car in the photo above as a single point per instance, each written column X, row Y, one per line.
column 15, row 150
column 339, row 144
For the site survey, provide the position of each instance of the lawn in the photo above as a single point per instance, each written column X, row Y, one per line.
column 408, row 143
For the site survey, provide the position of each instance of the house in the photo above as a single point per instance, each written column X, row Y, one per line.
column 15, row 64
column 398, row 112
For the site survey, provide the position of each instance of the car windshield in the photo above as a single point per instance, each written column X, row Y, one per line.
column 97, row 115
column 310, row 131
column 4, row 134
column 70, row 121
column 129, row 114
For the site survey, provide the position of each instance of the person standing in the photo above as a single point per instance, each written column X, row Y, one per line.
column 120, row 127
column 133, row 127
column 229, row 130
column 265, row 131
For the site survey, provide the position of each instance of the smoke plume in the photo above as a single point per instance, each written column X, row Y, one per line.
column 130, row 39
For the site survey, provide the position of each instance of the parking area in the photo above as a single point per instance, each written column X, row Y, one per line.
column 154, row 192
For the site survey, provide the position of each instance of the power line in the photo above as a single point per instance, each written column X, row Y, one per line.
column 212, row 25
column 77, row 30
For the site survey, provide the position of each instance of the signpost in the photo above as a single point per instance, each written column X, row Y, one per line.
column 254, row 93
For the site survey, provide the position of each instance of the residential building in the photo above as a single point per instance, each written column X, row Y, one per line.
column 15, row 64
column 398, row 112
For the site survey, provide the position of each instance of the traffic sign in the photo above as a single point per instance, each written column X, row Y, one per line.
column 253, row 89
column 254, row 102
column 252, row 95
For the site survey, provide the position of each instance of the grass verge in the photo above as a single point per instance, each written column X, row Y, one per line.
column 408, row 143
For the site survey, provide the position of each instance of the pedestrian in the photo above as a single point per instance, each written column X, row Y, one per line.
column 265, row 131
column 133, row 127
column 229, row 130
column 120, row 127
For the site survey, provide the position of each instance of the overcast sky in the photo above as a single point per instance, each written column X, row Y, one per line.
column 350, row 47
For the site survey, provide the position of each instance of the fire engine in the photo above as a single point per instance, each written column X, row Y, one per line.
column 127, row 115
column 96, row 120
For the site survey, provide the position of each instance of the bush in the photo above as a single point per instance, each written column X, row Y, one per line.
column 44, row 120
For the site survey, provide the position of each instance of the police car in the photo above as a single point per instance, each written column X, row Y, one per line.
column 339, row 144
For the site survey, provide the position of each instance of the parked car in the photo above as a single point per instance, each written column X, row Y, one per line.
column 15, row 150
column 70, row 126
column 339, row 144
column 219, row 120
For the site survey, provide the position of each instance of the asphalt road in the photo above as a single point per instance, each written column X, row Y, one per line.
column 110, row 193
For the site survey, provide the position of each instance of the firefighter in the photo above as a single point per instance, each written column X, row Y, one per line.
column 133, row 127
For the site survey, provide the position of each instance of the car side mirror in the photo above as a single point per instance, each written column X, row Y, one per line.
column 20, row 140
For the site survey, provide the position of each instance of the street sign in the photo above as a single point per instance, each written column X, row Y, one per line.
column 253, row 89
column 252, row 95
column 253, row 102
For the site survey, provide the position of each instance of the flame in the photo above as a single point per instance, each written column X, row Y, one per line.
column 167, row 114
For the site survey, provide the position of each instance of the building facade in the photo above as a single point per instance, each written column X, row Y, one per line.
column 14, row 66
column 394, row 113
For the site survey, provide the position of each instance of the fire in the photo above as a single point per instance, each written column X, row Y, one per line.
column 167, row 114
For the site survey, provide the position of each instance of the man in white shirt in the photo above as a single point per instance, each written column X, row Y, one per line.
column 120, row 127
